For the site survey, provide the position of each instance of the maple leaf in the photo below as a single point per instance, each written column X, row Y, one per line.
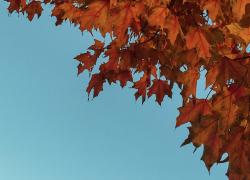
column 124, row 76
column 33, row 8
column 173, row 27
column 141, row 87
column 88, row 60
column 238, row 150
column 243, row 33
column 158, row 16
column 95, row 16
column 224, row 70
column 127, row 16
column 238, row 91
column 196, row 39
column 206, row 132
column 189, row 80
column 16, row 5
column 160, row 88
column 96, row 83
column 239, row 8
column 213, row 7
column 224, row 105
column 193, row 111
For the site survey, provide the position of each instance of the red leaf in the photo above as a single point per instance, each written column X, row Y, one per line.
column 160, row 88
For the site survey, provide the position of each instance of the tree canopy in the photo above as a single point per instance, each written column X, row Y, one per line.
column 167, row 43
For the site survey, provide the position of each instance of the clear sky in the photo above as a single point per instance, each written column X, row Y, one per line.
column 50, row 131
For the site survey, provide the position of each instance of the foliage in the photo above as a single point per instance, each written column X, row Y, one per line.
column 170, row 42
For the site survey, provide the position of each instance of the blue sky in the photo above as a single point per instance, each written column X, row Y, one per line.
column 50, row 131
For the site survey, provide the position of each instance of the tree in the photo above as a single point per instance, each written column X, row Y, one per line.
column 168, row 42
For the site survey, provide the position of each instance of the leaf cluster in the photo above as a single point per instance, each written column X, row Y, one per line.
column 169, row 42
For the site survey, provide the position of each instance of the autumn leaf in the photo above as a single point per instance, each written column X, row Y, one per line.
column 88, row 60
column 96, row 83
column 173, row 27
column 224, row 70
column 243, row 33
column 189, row 80
column 16, row 5
column 95, row 16
column 124, row 77
column 238, row 150
column 213, row 7
column 196, row 39
column 158, row 16
column 32, row 9
column 238, row 91
column 193, row 111
column 225, row 106
column 127, row 16
column 206, row 132
column 239, row 8
column 141, row 87
column 160, row 88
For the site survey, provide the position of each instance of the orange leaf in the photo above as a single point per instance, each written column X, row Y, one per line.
column 213, row 7
column 239, row 8
column 173, row 27
column 158, row 16
column 196, row 39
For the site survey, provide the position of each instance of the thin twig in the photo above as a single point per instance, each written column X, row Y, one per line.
column 150, row 39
